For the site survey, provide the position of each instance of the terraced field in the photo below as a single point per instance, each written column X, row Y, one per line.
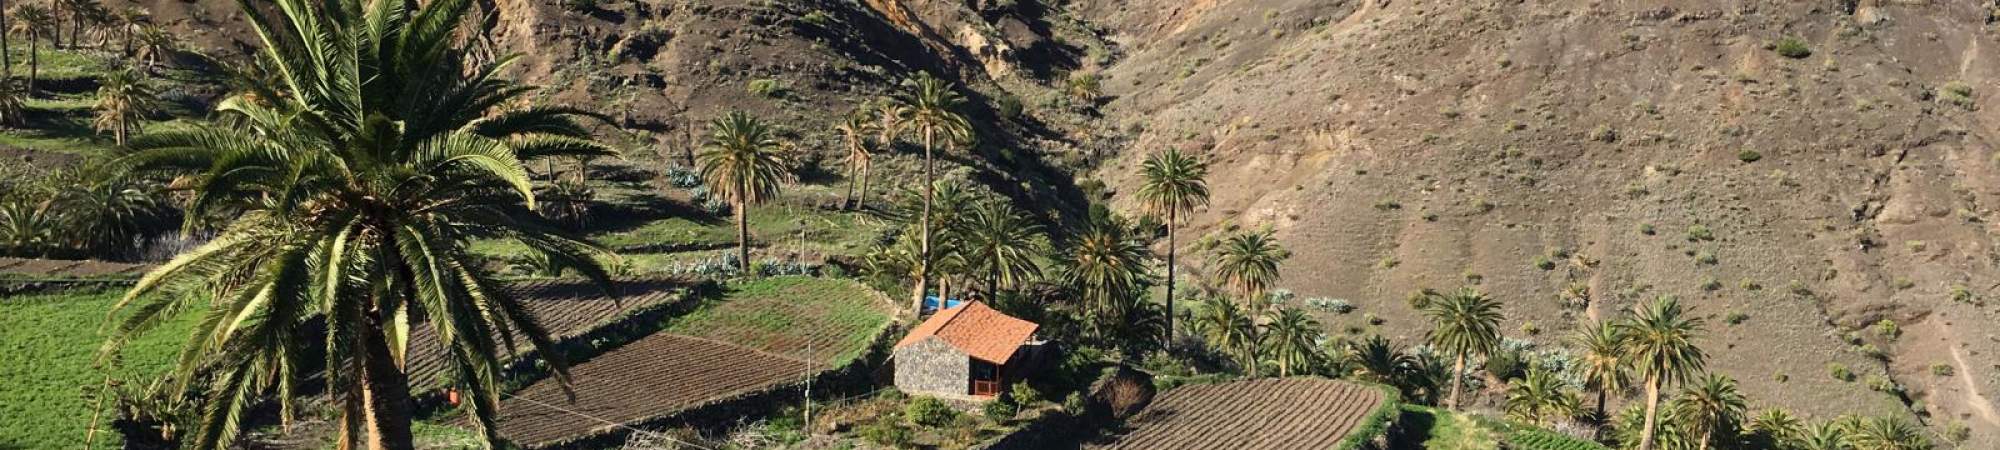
column 58, row 268
column 565, row 308
column 753, row 340
column 1267, row 414
column 658, row 376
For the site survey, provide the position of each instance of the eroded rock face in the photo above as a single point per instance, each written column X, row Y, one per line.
column 1415, row 144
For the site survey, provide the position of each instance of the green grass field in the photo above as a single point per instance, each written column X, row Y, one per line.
column 823, row 319
column 47, row 346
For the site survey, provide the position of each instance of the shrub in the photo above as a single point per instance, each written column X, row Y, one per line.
column 1962, row 294
column 1008, row 105
column 1543, row 262
column 1888, row 329
column 1735, row 318
column 1647, row 229
column 1711, row 284
column 1001, row 409
column 1942, row 369
column 766, row 87
column 1699, row 232
column 1883, row 384
column 1792, row 47
column 1705, row 257
column 929, row 412
column 1073, row 404
column 1840, row 372
column 817, row 17
column 1957, row 93
column 1749, row 156
column 886, row 434
column 1333, row 305
column 1025, row 395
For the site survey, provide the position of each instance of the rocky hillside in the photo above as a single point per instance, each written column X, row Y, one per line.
column 1799, row 171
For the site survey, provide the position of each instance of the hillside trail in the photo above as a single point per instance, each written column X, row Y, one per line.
column 1979, row 402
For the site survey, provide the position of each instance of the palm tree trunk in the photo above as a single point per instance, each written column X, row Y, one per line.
column 1600, row 406
column 1705, row 436
column 1457, row 375
column 924, row 255
column 742, row 234
column 6, row 55
column 852, row 170
column 34, row 61
column 1652, row 413
column 993, row 282
column 385, row 396
column 1170, row 279
column 865, row 165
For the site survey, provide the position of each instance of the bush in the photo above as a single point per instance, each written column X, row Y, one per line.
column 818, row 18
column 886, row 434
column 1001, row 409
column 1699, row 232
column 1025, row 395
column 1957, row 93
column 1073, row 404
column 1888, row 329
column 1735, row 318
column 1840, row 372
column 1008, row 105
column 1749, row 156
column 1942, row 369
column 766, row 87
column 1792, row 47
column 929, row 411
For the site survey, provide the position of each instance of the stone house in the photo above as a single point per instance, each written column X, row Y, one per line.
column 962, row 352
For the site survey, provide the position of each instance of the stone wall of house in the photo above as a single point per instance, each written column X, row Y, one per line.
column 932, row 366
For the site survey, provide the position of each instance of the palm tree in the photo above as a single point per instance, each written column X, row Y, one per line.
column 1464, row 324
column 854, row 131
column 1659, row 343
column 80, row 11
column 128, row 20
column 931, row 106
column 13, row 108
column 122, row 101
column 1774, row 427
column 6, row 54
column 1294, row 339
column 1377, row 360
column 1708, row 407
column 1888, row 433
column 744, row 164
column 1223, row 325
column 1248, row 263
column 1822, row 436
column 32, row 19
column 353, row 209
column 999, row 240
column 1175, row 184
column 1541, row 397
column 1106, row 267
column 1605, row 368
column 154, row 45
column 27, row 227
column 104, row 206
column 889, row 119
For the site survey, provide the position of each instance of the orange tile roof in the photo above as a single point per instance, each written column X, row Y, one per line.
column 980, row 331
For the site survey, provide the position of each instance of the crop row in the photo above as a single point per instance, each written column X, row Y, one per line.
column 658, row 376
column 1270, row 414
column 565, row 308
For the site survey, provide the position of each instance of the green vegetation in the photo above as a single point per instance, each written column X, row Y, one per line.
column 49, row 363
column 1791, row 47
column 779, row 313
column 1749, row 156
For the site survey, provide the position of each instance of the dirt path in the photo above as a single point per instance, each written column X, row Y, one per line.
column 1978, row 402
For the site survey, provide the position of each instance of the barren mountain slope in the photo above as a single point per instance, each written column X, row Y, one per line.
column 1641, row 149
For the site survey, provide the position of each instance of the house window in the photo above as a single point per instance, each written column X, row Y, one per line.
column 985, row 378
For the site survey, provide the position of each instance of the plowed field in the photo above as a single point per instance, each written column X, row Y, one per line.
column 1268, row 414
column 565, row 308
column 658, row 376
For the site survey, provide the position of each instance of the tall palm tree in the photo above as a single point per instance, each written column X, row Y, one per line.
column 1888, row 433
column 1175, row 184
column 854, row 132
column 32, row 20
column 353, row 209
column 744, row 163
column 1541, row 397
column 1464, row 324
column 1707, row 407
column 1605, row 368
column 1659, row 343
column 128, row 20
column 1106, row 267
column 1294, row 339
column 931, row 105
column 1001, row 242
column 1248, row 264
column 889, row 116
column 122, row 101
